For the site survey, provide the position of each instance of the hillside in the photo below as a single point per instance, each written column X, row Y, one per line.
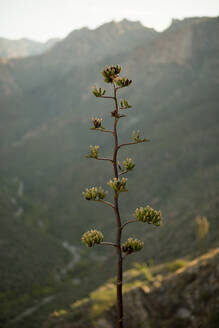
column 23, row 47
column 45, row 111
column 81, row 47
column 178, row 294
column 30, row 260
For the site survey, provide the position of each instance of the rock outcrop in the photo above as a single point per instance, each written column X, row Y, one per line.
column 187, row 298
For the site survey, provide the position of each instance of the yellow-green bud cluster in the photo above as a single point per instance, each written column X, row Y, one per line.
column 132, row 245
column 97, row 123
column 136, row 137
column 123, row 82
column 92, row 237
column 110, row 73
column 149, row 215
column 98, row 92
column 93, row 151
column 128, row 164
column 124, row 104
column 94, row 193
column 117, row 184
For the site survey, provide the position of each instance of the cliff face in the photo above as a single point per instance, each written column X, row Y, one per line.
column 189, row 297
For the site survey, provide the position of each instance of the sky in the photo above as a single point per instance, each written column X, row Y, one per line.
column 44, row 19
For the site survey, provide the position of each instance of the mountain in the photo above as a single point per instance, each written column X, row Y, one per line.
column 81, row 47
column 24, row 47
column 45, row 110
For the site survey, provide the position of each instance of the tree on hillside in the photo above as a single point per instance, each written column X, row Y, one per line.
column 202, row 230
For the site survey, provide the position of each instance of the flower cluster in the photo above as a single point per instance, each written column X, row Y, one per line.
column 124, row 104
column 123, row 82
column 132, row 245
column 92, row 237
column 94, row 193
column 117, row 184
column 97, row 123
column 128, row 164
column 149, row 215
column 136, row 137
column 110, row 73
column 98, row 92
column 93, row 152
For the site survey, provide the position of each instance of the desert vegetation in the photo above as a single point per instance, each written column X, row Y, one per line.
column 117, row 183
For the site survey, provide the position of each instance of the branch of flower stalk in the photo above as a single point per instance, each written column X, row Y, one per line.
column 130, row 221
column 126, row 254
column 105, row 202
column 103, row 130
column 130, row 143
column 108, row 243
column 104, row 159
column 106, row 97
column 123, row 172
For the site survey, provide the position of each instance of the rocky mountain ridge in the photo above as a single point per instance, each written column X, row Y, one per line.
column 80, row 47
column 189, row 297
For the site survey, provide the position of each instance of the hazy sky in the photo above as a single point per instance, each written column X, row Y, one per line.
column 43, row 19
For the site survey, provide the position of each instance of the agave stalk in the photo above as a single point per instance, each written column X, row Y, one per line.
column 117, row 184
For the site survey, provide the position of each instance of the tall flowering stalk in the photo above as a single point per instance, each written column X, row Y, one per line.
column 117, row 184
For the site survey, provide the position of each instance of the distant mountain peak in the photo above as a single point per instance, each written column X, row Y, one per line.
column 175, row 22
column 124, row 24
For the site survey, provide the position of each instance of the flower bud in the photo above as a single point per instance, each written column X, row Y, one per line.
column 128, row 164
column 124, row 104
column 110, row 73
column 136, row 137
column 98, row 92
column 132, row 245
column 117, row 184
column 93, row 152
column 97, row 123
column 94, row 193
column 123, row 82
column 92, row 237
column 149, row 215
